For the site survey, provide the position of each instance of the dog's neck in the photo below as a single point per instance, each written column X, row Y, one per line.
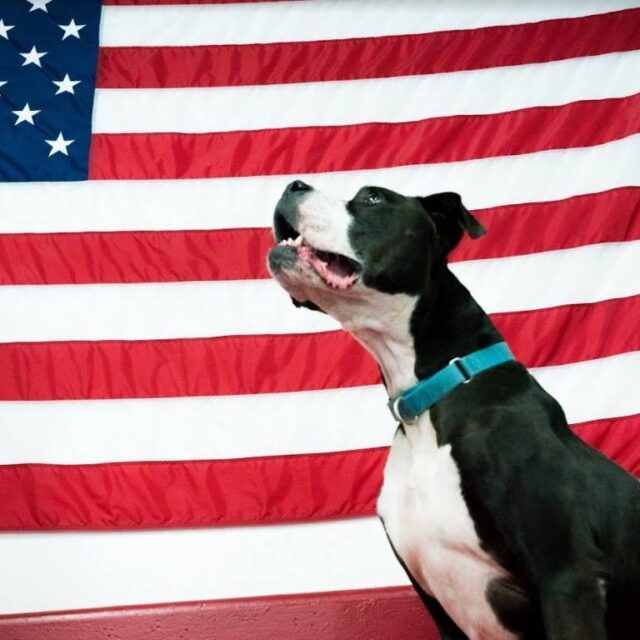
column 448, row 323
column 412, row 337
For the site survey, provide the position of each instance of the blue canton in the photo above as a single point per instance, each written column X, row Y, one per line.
column 48, row 55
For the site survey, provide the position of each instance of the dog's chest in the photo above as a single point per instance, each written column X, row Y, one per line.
column 429, row 525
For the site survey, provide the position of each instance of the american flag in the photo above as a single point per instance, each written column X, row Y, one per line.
column 161, row 401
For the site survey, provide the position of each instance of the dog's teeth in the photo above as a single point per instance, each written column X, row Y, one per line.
column 298, row 241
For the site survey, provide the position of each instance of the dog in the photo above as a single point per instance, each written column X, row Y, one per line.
column 508, row 525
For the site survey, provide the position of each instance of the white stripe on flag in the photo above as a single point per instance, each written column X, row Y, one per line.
column 199, row 309
column 121, row 205
column 89, row 431
column 199, row 110
column 151, row 310
column 186, row 25
column 83, row 570
column 594, row 389
column 553, row 278
column 94, row 431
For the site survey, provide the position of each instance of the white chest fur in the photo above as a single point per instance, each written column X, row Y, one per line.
column 427, row 520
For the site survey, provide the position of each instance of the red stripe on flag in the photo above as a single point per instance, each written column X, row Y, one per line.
column 224, row 492
column 237, row 254
column 572, row 333
column 229, row 365
column 518, row 229
column 363, row 146
column 134, row 256
column 376, row 57
column 190, row 494
column 239, row 365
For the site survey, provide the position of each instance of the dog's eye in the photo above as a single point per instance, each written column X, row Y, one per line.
column 373, row 198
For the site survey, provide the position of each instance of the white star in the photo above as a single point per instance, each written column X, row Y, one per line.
column 32, row 57
column 66, row 84
column 39, row 4
column 71, row 29
column 59, row 145
column 4, row 29
column 2, row 83
column 26, row 115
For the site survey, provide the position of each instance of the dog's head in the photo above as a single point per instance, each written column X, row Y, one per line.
column 333, row 255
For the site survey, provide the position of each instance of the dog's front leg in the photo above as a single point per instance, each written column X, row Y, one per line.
column 573, row 606
column 446, row 626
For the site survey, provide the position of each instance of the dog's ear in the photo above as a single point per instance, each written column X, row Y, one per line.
column 451, row 219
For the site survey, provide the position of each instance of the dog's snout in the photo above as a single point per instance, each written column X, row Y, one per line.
column 287, row 210
column 297, row 185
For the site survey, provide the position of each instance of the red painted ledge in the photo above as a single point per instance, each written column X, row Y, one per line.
column 393, row 613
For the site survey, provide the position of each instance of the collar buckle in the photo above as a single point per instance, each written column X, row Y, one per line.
column 394, row 407
column 459, row 364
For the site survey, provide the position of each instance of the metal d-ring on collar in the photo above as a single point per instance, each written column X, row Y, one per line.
column 410, row 405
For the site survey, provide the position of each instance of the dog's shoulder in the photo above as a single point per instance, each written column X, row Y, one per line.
column 528, row 479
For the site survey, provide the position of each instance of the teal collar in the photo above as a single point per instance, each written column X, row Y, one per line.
column 408, row 406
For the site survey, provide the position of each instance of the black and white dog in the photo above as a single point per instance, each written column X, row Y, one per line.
column 508, row 525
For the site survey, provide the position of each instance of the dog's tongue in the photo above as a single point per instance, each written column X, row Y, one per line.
column 334, row 273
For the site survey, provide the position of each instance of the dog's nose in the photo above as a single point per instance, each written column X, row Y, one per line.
column 297, row 185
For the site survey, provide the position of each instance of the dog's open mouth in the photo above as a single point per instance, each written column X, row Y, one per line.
column 336, row 270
